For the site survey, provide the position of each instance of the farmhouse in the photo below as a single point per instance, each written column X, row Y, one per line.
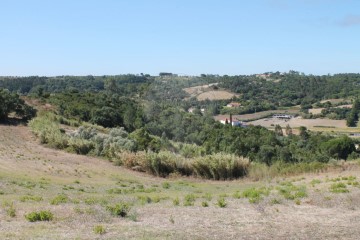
column 234, row 123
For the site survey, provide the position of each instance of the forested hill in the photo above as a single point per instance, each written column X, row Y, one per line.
column 293, row 88
column 276, row 89
column 125, row 84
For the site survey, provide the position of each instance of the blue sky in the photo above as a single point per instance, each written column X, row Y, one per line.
column 101, row 37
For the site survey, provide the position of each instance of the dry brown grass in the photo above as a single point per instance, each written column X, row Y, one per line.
column 27, row 168
column 204, row 92
column 215, row 95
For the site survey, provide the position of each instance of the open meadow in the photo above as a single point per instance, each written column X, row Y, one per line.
column 90, row 198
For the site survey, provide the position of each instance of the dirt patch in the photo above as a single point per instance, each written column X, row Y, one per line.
column 316, row 110
column 333, row 100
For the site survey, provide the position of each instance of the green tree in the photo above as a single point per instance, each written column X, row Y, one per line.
column 278, row 130
column 11, row 103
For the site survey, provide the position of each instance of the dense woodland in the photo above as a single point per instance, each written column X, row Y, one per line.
column 135, row 113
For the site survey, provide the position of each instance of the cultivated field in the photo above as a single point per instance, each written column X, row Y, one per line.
column 78, row 190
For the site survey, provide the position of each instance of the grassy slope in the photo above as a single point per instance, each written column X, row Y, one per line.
column 29, row 169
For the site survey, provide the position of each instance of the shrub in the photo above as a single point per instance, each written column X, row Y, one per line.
column 120, row 209
column 80, row 146
column 39, row 216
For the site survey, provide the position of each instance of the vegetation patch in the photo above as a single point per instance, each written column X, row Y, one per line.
column 338, row 188
column 120, row 209
column 39, row 216
column 59, row 199
column 255, row 195
column 99, row 229
column 292, row 192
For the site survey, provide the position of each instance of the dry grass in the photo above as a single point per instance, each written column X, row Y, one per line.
column 215, row 95
column 204, row 92
column 313, row 124
column 91, row 184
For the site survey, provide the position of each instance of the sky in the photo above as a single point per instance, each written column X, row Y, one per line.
column 186, row 37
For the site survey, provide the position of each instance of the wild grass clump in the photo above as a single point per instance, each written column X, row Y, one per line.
column 338, row 188
column 49, row 131
column 120, row 209
column 292, row 192
column 31, row 198
column 80, row 146
column 255, row 195
column 166, row 185
column 189, row 200
column 176, row 201
column 258, row 171
column 164, row 163
column 221, row 202
column 99, row 229
column 9, row 209
column 144, row 199
column 314, row 182
column 220, row 166
column 39, row 216
column 61, row 198
column 204, row 204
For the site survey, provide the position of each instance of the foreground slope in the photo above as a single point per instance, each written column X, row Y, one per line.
column 32, row 177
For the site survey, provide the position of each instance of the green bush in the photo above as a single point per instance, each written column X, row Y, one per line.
column 39, row 216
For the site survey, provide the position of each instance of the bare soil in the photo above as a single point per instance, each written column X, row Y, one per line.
column 28, row 168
